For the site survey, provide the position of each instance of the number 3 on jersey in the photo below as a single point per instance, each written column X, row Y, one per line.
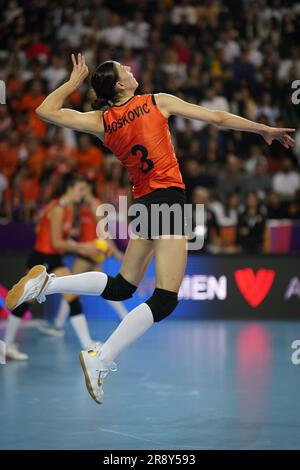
column 146, row 163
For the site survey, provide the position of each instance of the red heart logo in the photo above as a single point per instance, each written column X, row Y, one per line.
column 253, row 287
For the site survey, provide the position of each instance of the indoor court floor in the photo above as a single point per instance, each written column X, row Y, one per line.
column 186, row 384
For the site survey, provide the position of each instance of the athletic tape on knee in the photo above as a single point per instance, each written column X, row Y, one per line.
column 117, row 288
column 75, row 307
column 162, row 303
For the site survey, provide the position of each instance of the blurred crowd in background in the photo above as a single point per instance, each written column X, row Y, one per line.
column 237, row 56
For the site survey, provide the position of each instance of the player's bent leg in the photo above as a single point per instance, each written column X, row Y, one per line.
column 70, row 305
column 38, row 283
column 55, row 328
column 138, row 254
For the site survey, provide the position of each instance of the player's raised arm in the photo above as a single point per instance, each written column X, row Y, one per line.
column 51, row 109
column 170, row 104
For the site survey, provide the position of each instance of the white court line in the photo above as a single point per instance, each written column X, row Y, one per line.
column 160, row 444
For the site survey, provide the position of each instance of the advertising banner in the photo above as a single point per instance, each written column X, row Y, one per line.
column 241, row 287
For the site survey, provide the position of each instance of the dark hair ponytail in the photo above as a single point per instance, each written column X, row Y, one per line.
column 103, row 82
column 66, row 181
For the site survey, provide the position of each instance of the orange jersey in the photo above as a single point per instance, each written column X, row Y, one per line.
column 43, row 241
column 138, row 135
column 87, row 223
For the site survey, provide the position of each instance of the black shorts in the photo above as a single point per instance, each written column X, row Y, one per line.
column 51, row 262
column 153, row 221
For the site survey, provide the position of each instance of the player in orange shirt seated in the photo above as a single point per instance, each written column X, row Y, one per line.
column 33, row 98
column 9, row 154
column 36, row 156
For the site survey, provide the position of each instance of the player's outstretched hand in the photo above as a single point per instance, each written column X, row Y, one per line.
column 80, row 70
column 282, row 135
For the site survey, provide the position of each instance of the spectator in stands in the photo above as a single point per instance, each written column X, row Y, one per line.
column 184, row 10
column 35, row 157
column 231, row 179
column 260, row 182
column 22, row 196
column 293, row 209
column 131, row 61
column 33, row 98
column 3, row 186
column 275, row 208
column 114, row 33
column 34, row 72
column 137, row 32
column 195, row 175
column 243, row 102
column 255, row 155
column 28, row 123
column 211, row 227
column 230, row 47
column 251, row 225
column 227, row 214
column 267, row 107
column 89, row 159
column 72, row 30
column 37, row 49
column 286, row 181
column 60, row 144
column 243, row 68
column 171, row 65
column 55, row 73
column 5, row 119
column 10, row 154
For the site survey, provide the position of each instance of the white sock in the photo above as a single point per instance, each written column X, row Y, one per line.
column 91, row 283
column 62, row 313
column 81, row 328
column 119, row 307
column 131, row 327
column 13, row 324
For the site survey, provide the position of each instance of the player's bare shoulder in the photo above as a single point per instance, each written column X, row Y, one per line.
column 163, row 101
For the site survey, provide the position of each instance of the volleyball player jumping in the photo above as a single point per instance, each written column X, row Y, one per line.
column 135, row 129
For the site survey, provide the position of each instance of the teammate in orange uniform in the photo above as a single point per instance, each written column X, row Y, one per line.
column 88, row 233
column 135, row 129
column 51, row 242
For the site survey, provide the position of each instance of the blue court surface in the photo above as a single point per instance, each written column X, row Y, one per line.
column 185, row 385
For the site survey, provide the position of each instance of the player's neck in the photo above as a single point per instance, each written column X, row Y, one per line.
column 124, row 98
